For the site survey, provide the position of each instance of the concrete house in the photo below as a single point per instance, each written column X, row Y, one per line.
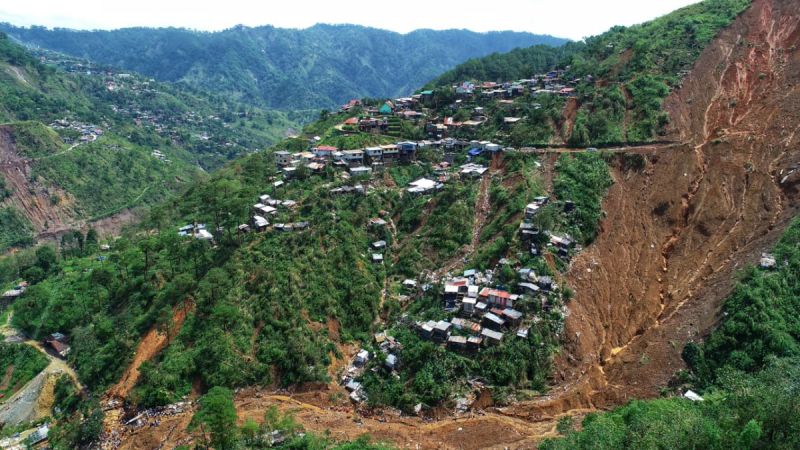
column 474, row 343
column 361, row 358
column 441, row 330
column 260, row 223
column 512, row 316
column 325, row 151
column 374, row 154
column 282, row 158
column 353, row 157
column 391, row 362
column 497, row 297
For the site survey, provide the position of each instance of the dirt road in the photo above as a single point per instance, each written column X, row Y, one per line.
column 35, row 399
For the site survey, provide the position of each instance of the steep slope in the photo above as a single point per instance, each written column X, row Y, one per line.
column 318, row 67
column 677, row 231
column 89, row 143
column 680, row 220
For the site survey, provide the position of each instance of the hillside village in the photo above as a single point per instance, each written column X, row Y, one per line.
column 479, row 309
column 464, row 310
column 154, row 106
column 452, row 269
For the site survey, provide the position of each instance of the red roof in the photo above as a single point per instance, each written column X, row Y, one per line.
column 351, row 121
column 58, row 346
column 327, row 148
column 486, row 292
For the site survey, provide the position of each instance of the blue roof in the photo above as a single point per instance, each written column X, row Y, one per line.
column 474, row 152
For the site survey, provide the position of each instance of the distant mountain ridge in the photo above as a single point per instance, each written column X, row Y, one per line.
column 317, row 67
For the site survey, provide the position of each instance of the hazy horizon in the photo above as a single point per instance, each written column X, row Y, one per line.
column 576, row 20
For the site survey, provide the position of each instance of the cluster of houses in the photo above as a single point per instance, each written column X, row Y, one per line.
column 88, row 132
column 167, row 123
column 57, row 342
column 483, row 315
column 378, row 247
column 31, row 438
column 404, row 107
column 196, row 230
column 269, row 207
column 387, row 345
column 344, row 190
column 158, row 154
column 362, row 162
column 534, row 236
column 552, row 82
column 357, row 161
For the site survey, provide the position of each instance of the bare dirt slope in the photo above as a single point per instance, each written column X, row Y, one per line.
column 33, row 199
column 677, row 231
column 29, row 198
column 152, row 343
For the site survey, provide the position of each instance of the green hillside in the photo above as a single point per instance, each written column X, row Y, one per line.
column 318, row 67
column 99, row 141
column 52, row 87
column 352, row 261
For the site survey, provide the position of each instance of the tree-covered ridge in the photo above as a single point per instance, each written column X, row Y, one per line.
column 274, row 283
column 620, row 77
column 762, row 318
column 748, row 371
column 317, row 67
column 517, row 64
column 95, row 141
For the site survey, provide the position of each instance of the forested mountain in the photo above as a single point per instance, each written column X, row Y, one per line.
column 318, row 67
column 80, row 141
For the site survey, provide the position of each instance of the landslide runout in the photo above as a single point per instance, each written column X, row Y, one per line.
column 677, row 231
column 673, row 237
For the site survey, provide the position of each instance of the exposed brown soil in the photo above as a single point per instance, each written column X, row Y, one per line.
column 569, row 114
column 152, row 343
column 483, row 430
column 674, row 236
column 7, row 377
column 33, row 199
column 30, row 198
column 677, row 231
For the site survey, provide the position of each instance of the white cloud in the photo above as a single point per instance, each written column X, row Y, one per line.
column 573, row 19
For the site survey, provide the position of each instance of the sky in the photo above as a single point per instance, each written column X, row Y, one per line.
column 573, row 19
